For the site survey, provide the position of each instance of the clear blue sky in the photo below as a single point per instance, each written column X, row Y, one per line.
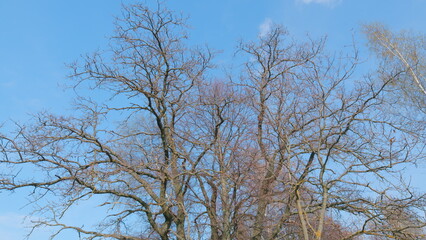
column 37, row 39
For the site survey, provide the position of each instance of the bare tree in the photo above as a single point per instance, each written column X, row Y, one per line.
column 402, row 52
column 297, row 146
column 144, row 163
column 318, row 139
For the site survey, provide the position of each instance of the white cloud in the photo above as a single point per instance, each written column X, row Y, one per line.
column 326, row 2
column 14, row 226
column 265, row 27
column 7, row 84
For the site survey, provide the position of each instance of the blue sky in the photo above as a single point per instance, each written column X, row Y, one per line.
column 38, row 38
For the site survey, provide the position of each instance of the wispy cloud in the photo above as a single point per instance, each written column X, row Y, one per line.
column 7, row 84
column 265, row 27
column 14, row 226
column 325, row 2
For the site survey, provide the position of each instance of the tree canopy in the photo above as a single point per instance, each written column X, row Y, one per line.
column 298, row 144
